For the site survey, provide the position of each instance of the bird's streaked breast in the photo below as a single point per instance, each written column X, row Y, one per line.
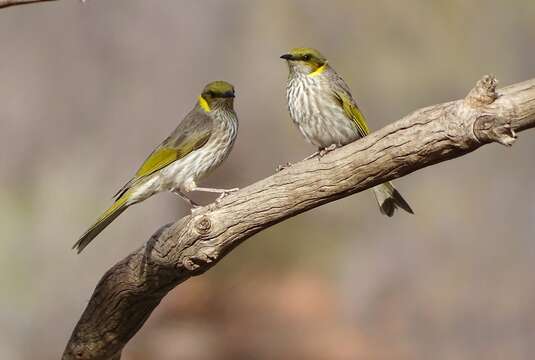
column 317, row 114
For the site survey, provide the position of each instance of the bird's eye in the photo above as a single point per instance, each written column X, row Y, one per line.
column 210, row 93
column 306, row 57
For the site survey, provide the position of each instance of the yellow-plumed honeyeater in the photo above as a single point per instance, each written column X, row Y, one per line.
column 199, row 144
column 322, row 107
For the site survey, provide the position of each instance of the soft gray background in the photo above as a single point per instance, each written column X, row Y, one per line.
column 87, row 90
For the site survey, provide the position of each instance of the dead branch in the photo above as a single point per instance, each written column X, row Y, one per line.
column 128, row 293
column 7, row 3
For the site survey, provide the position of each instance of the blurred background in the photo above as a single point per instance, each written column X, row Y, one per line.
column 88, row 90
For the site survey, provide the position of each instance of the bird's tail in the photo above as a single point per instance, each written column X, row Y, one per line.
column 389, row 199
column 120, row 205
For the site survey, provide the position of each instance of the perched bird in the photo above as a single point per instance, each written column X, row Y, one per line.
column 199, row 144
column 322, row 107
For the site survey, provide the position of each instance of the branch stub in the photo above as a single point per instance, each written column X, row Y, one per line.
column 484, row 93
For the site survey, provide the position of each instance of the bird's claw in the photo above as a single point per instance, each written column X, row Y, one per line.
column 282, row 167
column 224, row 194
column 327, row 150
column 311, row 156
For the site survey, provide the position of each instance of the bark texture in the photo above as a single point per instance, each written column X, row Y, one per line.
column 128, row 293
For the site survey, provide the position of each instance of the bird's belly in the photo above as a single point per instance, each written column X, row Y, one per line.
column 193, row 166
column 146, row 188
column 321, row 119
column 329, row 127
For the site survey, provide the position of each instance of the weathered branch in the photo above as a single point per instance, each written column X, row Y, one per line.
column 128, row 292
column 7, row 3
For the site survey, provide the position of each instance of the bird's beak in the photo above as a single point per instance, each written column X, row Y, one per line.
column 228, row 94
column 287, row 57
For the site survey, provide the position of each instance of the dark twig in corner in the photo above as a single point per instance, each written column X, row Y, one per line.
column 7, row 3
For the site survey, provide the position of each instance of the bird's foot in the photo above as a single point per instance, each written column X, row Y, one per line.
column 312, row 156
column 192, row 204
column 224, row 194
column 327, row 150
column 282, row 167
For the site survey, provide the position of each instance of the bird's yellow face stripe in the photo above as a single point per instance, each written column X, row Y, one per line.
column 318, row 71
column 204, row 104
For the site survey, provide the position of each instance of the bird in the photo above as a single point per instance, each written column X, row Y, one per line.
column 198, row 145
column 321, row 105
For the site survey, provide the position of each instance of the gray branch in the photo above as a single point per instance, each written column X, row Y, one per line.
column 7, row 3
column 128, row 293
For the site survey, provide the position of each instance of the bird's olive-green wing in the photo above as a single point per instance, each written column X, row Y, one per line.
column 166, row 154
column 191, row 134
column 343, row 96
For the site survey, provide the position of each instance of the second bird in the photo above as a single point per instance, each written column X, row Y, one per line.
column 199, row 144
column 322, row 107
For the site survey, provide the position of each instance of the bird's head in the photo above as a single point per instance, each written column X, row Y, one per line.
column 217, row 94
column 306, row 61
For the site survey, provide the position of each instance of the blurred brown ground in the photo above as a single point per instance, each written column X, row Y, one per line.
column 87, row 90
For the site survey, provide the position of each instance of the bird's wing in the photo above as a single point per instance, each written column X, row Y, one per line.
column 191, row 134
column 344, row 97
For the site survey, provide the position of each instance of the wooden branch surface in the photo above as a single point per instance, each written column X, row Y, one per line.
column 7, row 3
column 128, row 293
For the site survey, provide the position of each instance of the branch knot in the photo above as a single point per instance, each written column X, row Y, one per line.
column 203, row 225
column 490, row 128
